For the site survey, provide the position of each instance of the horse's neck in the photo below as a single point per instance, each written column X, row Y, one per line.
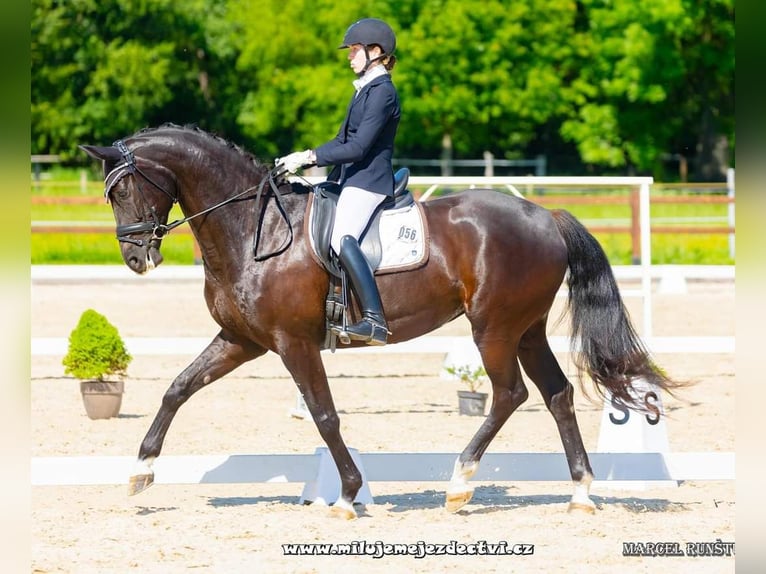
column 227, row 234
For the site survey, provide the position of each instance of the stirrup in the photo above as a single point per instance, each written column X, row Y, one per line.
column 367, row 330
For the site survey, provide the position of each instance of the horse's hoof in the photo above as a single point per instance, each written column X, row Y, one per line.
column 339, row 511
column 139, row 483
column 457, row 500
column 582, row 507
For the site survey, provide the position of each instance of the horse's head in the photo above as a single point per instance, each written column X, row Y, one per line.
column 141, row 192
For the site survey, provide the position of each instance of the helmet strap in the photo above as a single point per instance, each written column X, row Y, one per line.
column 368, row 62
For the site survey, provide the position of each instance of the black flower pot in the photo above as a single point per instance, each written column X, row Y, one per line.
column 471, row 403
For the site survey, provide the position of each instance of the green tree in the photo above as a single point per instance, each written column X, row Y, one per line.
column 650, row 73
column 621, row 85
column 103, row 69
column 483, row 75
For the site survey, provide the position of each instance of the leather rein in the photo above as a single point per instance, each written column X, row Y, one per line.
column 129, row 166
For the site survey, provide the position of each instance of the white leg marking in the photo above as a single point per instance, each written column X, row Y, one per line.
column 461, row 473
column 143, row 466
column 582, row 493
column 344, row 504
column 581, row 496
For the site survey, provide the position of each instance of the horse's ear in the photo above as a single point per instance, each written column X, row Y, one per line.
column 101, row 152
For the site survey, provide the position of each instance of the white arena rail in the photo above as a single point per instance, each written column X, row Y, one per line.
column 193, row 346
column 382, row 467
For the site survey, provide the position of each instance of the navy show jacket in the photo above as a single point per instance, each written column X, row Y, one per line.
column 361, row 153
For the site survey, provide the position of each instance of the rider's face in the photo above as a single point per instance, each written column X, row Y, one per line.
column 357, row 57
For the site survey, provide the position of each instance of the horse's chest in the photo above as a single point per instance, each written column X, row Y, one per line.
column 229, row 309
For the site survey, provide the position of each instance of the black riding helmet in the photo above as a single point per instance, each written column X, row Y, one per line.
column 369, row 31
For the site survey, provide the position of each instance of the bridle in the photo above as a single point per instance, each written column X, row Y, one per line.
column 129, row 166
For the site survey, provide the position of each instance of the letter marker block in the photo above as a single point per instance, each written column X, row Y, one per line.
column 627, row 431
column 325, row 488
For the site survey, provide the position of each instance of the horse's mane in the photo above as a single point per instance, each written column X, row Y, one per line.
column 207, row 135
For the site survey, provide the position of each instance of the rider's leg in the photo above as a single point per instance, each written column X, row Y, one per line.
column 372, row 327
column 355, row 208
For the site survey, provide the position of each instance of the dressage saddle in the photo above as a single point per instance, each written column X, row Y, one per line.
column 322, row 218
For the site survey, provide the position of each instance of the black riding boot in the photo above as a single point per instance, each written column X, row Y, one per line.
column 372, row 328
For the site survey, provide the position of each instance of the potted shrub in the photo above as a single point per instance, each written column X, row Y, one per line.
column 470, row 402
column 98, row 357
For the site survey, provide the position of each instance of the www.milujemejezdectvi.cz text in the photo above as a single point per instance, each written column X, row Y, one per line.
column 420, row 549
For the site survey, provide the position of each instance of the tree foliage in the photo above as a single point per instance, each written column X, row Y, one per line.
column 624, row 85
column 653, row 73
column 102, row 69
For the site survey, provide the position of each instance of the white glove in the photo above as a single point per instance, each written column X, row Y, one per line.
column 296, row 160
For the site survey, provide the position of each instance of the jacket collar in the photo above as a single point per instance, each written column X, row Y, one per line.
column 369, row 76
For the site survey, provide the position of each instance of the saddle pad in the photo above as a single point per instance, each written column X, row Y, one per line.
column 403, row 238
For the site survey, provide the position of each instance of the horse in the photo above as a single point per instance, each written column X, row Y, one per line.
column 493, row 257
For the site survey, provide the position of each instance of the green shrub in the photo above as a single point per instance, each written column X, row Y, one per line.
column 96, row 349
column 472, row 377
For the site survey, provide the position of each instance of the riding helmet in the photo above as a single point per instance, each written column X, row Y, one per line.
column 369, row 31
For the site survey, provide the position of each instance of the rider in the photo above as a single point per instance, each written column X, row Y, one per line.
column 361, row 154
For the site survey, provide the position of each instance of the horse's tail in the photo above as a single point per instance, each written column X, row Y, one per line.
column 610, row 351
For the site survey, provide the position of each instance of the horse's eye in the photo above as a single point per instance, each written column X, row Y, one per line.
column 121, row 191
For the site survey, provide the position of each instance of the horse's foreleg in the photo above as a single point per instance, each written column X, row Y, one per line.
column 541, row 366
column 304, row 362
column 221, row 356
column 508, row 393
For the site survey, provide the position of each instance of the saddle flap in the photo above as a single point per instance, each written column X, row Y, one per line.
column 322, row 206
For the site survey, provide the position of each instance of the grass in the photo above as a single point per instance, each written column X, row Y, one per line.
column 178, row 248
column 101, row 248
column 90, row 248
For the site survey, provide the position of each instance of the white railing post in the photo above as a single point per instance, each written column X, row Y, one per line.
column 646, row 257
column 83, row 181
column 489, row 168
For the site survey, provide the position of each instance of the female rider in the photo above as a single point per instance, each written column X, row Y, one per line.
column 361, row 154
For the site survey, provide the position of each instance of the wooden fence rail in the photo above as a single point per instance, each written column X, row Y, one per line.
column 632, row 201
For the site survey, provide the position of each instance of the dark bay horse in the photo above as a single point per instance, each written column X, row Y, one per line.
column 497, row 259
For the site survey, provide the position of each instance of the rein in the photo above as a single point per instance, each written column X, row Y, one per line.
column 159, row 229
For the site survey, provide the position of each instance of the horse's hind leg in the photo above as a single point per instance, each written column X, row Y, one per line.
column 541, row 366
column 220, row 357
column 508, row 393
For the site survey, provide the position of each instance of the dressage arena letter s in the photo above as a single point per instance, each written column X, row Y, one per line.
column 650, row 398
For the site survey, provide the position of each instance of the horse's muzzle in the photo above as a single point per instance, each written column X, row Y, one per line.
column 142, row 257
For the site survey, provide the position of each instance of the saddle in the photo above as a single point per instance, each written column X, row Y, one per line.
column 322, row 219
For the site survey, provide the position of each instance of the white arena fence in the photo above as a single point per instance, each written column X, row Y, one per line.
column 382, row 467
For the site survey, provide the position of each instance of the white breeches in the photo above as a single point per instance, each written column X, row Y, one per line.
column 355, row 208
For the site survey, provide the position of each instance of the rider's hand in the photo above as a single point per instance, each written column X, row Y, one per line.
column 296, row 160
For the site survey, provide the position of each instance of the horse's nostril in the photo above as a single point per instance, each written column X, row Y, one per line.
column 135, row 264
